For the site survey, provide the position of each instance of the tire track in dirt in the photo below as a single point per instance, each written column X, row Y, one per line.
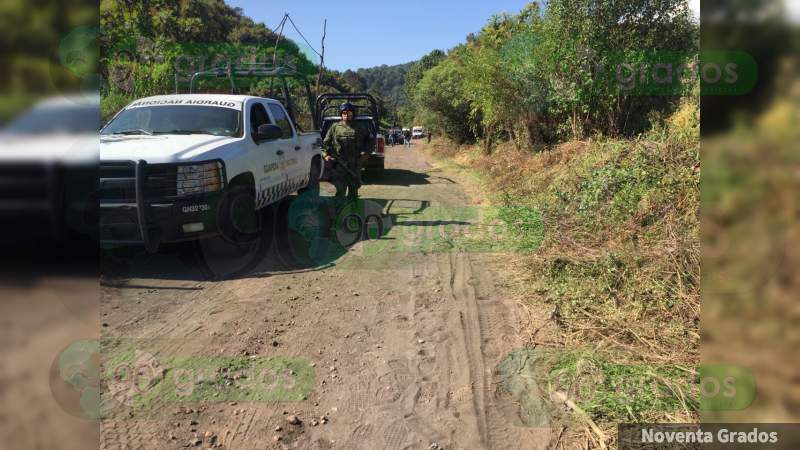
column 470, row 327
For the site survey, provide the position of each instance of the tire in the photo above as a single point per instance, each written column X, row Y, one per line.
column 243, row 241
column 377, row 167
column 238, row 220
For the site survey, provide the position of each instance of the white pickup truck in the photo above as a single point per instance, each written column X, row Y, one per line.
column 189, row 166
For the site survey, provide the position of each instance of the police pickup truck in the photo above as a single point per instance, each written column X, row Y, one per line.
column 190, row 166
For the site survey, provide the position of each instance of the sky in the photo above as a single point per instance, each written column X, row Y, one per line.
column 368, row 34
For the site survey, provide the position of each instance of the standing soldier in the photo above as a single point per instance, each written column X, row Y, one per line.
column 429, row 136
column 342, row 146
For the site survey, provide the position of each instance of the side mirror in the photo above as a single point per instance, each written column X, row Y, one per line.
column 267, row 132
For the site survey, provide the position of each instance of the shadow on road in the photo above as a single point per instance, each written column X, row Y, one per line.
column 299, row 234
column 302, row 233
column 395, row 177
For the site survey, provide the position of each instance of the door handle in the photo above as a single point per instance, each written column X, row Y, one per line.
column 297, row 147
column 279, row 152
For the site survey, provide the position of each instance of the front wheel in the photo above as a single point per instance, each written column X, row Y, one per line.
column 376, row 166
column 238, row 220
column 243, row 241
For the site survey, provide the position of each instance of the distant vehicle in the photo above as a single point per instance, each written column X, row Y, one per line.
column 396, row 137
column 417, row 133
column 365, row 116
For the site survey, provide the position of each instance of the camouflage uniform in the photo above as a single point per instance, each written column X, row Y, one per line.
column 344, row 144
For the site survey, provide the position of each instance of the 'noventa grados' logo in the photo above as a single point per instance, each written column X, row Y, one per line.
column 93, row 381
column 633, row 72
column 674, row 73
column 320, row 232
column 75, row 379
column 79, row 54
column 141, row 60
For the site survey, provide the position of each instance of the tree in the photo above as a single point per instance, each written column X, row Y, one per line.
column 541, row 76
column 418, row 69
column 441, row 91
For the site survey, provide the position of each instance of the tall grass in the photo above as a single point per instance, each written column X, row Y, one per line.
column 616, row 263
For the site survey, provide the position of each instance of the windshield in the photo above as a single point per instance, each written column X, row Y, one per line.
column 176, row 120
column 62, row 119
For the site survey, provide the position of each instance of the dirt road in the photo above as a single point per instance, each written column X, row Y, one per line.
column 391, row 347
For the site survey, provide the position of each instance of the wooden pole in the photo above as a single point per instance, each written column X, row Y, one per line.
column 277, row 41
column 275, row 53
column 322, row 56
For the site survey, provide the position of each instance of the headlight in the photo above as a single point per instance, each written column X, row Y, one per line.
column 200, row 178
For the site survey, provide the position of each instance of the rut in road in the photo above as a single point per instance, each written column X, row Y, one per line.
column 404, row 343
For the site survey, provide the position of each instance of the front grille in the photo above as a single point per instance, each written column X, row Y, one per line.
column 118, row 182
column 161, row 181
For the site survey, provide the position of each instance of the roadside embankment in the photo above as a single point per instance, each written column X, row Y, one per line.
column 606, row 235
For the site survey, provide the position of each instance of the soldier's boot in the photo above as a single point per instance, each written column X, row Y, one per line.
column 352, row 194
column 335, row 204
column 339, row 202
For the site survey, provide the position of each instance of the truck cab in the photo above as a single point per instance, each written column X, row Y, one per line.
column 189, row 166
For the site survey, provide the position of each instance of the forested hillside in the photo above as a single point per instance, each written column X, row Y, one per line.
column 46, row 48
column 387, row 81
column 144, row 45
column 150, row 48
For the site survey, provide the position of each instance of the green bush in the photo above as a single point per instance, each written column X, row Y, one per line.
column 546, row 76
column 614, row 392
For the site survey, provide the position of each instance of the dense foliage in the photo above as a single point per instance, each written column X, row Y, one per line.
column 45, row 49
column 546, row 75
